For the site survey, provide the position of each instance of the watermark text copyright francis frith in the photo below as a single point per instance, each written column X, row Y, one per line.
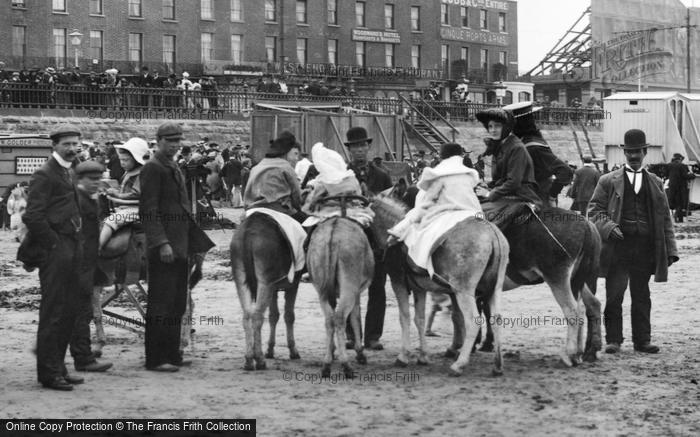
column 361, row 378
column 153, row 114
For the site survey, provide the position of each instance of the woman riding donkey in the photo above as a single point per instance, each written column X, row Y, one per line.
column 513, row 179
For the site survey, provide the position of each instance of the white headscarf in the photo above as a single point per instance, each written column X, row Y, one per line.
column 331, row 166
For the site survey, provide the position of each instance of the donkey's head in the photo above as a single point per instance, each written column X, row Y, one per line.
column 388, row 211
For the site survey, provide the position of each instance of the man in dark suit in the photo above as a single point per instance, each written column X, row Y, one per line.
column 145, row 80
column 585, row 180
column 678, row 192
column 54, row 224
column 630, row 210
column 171, row 236
column 373, row 180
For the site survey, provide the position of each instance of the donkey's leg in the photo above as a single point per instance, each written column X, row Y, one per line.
column 494, row 324
column 486, row 317
column 458, row 329
column 356, row 323
column 290, row 297
column 593, row 340
column 467, row 306
column 266, row 292
column 96, row 300
column 273, row 318
column 419, row 297
column 345, row 305
column 561, row 288
column 244, row 296
column 401, row 293
column 328, row 358
column 581, row 334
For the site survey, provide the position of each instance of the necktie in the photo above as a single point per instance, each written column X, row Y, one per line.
column 634, row 179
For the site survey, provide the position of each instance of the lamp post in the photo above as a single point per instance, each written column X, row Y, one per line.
column 75, row 41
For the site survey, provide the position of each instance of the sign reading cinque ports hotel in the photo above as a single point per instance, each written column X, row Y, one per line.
column 376, row 36
column 475, row 36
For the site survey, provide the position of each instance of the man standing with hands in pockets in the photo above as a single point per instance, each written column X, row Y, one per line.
column 172, row 236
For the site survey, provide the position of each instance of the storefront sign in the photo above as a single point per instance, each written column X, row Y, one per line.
column 475, row 36
column 489, row 4
column 376, row 36
column 349, row 71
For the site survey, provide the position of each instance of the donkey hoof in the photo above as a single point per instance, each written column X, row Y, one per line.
column 590, row 356
column 260, row 365
column 454, row 371
column 400, row 363
column 249, row 365
column 361, row 359
column 294, row 355
column 270, row 355
column 497, row 372
column 347, row 371
column 486, row 347
column 450, row 353
column 326, row 371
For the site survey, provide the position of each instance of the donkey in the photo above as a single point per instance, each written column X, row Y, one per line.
column 473, row 256
column 341, row 266
column 260, row 259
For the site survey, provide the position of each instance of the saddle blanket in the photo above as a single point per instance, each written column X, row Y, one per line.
column 295, row 233
column 422, row 240
column 362, row 216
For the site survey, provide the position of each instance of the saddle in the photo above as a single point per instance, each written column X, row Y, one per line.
column 418, row 271
column 353, row 207
column 123, row 258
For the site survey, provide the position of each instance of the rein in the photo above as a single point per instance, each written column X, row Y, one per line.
column 550, row 233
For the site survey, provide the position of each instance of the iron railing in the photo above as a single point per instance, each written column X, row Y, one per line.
column 58, row 96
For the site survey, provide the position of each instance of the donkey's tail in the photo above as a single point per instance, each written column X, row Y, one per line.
column 326, row 272
column 587, row 272
column 248, row 256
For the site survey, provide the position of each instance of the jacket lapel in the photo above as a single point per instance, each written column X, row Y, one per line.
column 618, row 182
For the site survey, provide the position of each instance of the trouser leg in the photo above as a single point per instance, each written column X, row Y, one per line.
column 615, row 286
column 376, row 304
column 80, row 340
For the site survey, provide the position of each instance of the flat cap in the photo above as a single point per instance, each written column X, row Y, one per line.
column 64, row 130
column 170, row 130
column 89, row 168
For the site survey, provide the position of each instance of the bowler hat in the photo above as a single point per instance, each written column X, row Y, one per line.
column 64, row 130
column 635, row 139
column 89, row 168
column 285, row 142
column 169, row 130
column 449, row 150
column 357, row 134
column 678, row 156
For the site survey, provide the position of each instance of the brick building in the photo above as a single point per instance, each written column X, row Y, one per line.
column 379, row 46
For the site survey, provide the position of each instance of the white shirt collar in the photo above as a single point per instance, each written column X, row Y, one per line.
column 631, row 169
column 588, row 164
column 62, row 162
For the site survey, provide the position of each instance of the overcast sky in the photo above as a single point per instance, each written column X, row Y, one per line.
column 542, row 22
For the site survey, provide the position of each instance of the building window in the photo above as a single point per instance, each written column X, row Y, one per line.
column 169, row 9
column 445, row 56
column 18, row 4
column 207, row 12
column 415, row 56
column 236, row 49
column 271, row 48
column 502, row 57
column 59, row 5
column 301, row 11
column 360, row 53
column 59, row 47
column 360, row 14
column 415, row 17
column 96, row 45
column 207, row 47
column 301, row 50
column 169, row 50
column 464, row 57
column 388, row 16
column 135, row 47
column 134, row 8
column 333, row 51
column 236, row 10
column 444, row 14
column 270, row 10
column 484, row 58
column 464, row 16
column 483, row 19
column 389, row 55
column 19, row 41
column 96, row 7
column 501, row 22
column 332, row 11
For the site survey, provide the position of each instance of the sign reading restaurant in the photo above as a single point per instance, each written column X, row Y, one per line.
column 475, row 36
column 490, row 4
column 376, row 36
